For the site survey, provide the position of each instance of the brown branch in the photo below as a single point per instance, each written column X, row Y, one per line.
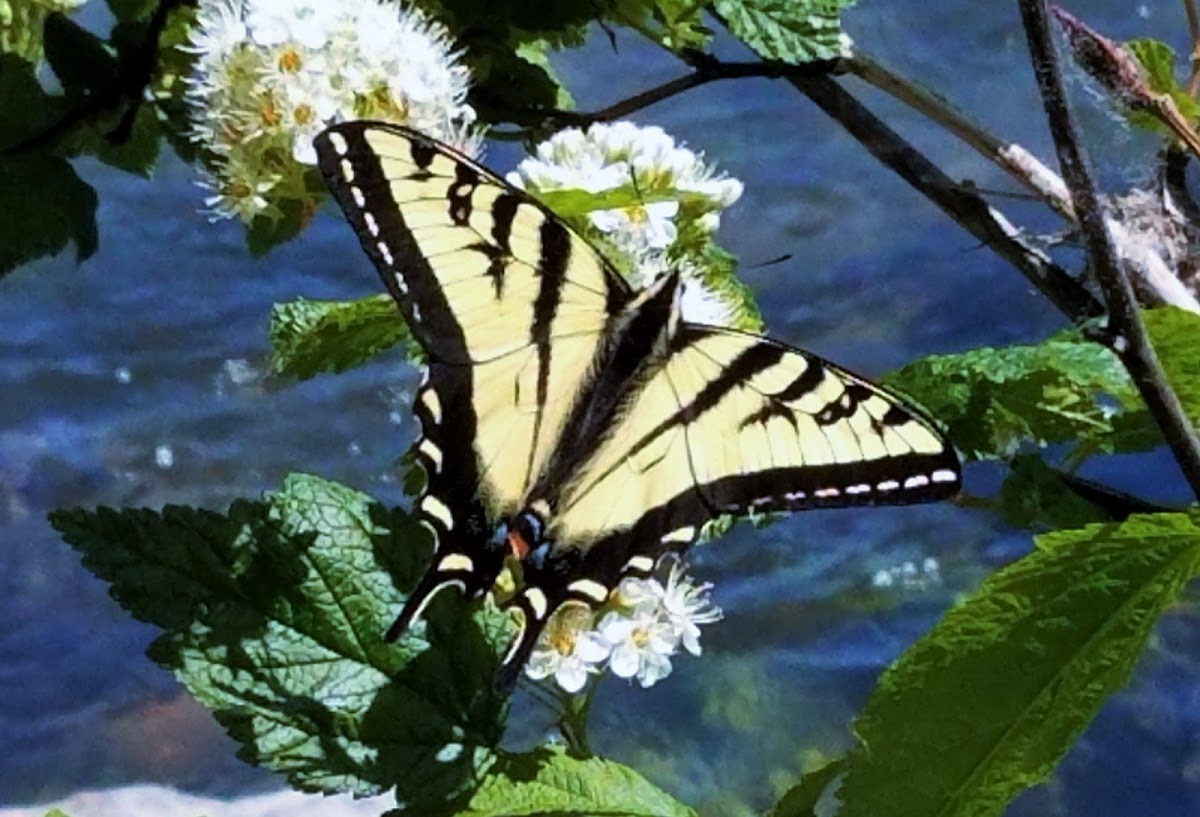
column 963, row 205
column 1126, row 333
column 1193, row 19
column 1156, row 278
column 125, row 93
column 706, row 69
column 1012, row 158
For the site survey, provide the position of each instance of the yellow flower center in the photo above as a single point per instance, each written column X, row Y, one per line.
column 289, row 60
column 380, row 103
column 238, row 190
column 637, row 214
column 269, row 113
column 563, row 642
column 303, row 114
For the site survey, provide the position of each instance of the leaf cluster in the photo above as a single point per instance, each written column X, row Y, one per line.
column 273, row 615
column 1157, row 61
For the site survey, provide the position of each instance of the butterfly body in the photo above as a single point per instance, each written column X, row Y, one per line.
column 577, row 424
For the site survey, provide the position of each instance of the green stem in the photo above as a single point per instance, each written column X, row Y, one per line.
column 573, row 724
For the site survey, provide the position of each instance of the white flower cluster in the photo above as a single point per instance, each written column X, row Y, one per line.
column 271, row 74
column 646, row 623
column 663, row 189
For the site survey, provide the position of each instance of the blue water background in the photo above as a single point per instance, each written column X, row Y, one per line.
column 136, row 379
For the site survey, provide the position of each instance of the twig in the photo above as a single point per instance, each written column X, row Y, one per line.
column 962, row 204
column 1013, row 159
column 1193, row 18
column 706, row 70
column 133, row 75
column 1160, row 283
column 1110, row 64
column 991, row 228
column 969, row 209
column 1127, row 333
column 965, row 206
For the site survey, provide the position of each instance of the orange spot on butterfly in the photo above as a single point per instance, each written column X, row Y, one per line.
column 520, row 547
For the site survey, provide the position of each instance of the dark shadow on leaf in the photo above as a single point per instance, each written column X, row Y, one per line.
column 438, row 723
column 402, row 546
column 273, row 617
column 258, row 566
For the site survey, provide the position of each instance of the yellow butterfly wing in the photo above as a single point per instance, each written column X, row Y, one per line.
column 553, row 390
column 510, row 306
column 728, row 423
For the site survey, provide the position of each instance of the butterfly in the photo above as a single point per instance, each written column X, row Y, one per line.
column 577, row 423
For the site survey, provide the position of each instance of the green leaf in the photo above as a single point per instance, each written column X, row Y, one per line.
column 55, row 813
column 675, row 24
column 1158, row 62
column 132, row 10
column 504, row 43
column 45, row 205
column 168, row 86
column 695, row 248
column 284, row 224
column 801, row 800
column 550, row 18
column 87, row 70
column 571, row 202
column 1175, row 334
column 1036, row 496
column 508, row 87
column 138, row 153
column 83, row 63
column 273, row 617
column 794, row 31
column 989, row 701
column 534, row 51
column 683, row 24
column 1064, row 389
column 27, row 109
column 21, row 25
column 547, row 781
column 310, row 337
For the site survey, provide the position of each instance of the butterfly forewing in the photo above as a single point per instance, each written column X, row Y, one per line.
column 733, row 422
column 509, row 303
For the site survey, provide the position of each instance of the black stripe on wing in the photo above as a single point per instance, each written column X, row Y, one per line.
column 618, row 366
column 555, row 258
column 675, row 525
column 385, row 237
column 892, row 480
column 450, row 504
